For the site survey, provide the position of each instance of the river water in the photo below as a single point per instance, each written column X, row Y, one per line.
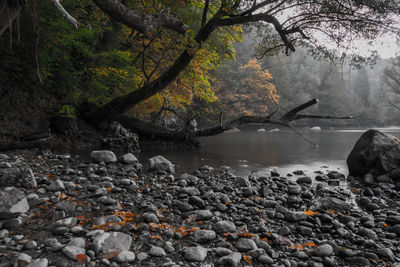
column 252, row 151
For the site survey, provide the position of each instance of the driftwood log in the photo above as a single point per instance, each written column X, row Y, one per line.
column 189, row 135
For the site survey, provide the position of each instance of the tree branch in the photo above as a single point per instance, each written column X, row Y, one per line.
column 205, row 11
column 65, row 13
column 393, row 105
column 140, row 22
column 284, row 120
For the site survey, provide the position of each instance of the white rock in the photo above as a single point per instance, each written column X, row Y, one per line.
column 112, row 241
column 71, row 252
column 316, row 129
column 126, row 256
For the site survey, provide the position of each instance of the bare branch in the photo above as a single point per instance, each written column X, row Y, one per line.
column 255, row 7
column 294, row 129
column 393, row 105
column 65, row 13
column 140, row 22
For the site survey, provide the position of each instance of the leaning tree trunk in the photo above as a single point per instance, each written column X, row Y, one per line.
column 124, row 103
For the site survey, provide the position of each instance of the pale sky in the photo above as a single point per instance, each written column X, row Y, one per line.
column 386, row 46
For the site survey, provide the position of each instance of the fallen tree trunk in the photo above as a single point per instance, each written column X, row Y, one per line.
column 149, row 130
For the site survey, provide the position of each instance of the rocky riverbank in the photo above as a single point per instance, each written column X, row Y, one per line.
column 57, row 210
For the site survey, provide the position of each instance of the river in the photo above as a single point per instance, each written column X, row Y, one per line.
column 252, row 151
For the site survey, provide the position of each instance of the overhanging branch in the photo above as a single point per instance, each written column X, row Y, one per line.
column 65, row 13
column 140, row 22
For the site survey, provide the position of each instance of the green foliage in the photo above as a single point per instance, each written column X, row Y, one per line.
column 67, row 111
column 103, row 59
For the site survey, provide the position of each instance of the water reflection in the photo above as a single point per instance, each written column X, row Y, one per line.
column 284, row 150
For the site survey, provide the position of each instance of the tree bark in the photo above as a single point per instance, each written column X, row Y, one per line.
column 140, row 22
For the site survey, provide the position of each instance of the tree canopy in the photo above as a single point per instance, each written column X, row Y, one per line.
column 136, row 55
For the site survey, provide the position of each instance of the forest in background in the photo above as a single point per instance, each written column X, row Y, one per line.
column 48, row 67
column 365, row 90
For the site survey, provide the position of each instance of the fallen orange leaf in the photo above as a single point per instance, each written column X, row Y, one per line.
column 247, row 259
column 310, row 212
column 81, row 258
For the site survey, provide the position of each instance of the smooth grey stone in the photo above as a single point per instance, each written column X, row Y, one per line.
column 105, row 156
column 125, row 256
column 197, row 254
column 128, row 158
column 304, row 180
column 111, row 241
column 230, row 260
column 204, row 235
column 56, row 185
column 245, row 244
column 224, row 227
column 386, row 253
column 323, row 251
column 157, row 252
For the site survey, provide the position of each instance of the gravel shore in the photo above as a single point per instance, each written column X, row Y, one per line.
column 57, row 210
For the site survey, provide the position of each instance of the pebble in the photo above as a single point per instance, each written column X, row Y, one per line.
column 197, row 254
column 157, row 252
column 323, row 251
column 224, row 227
column 125, row 256
column 245, row 244
column 210, row 218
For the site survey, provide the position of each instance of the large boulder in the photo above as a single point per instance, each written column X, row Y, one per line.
column 375, row 153
column 18, row 177
column 12, row 202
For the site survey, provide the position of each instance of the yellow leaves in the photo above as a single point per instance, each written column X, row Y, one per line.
column 247, row 259
column 310, row 212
